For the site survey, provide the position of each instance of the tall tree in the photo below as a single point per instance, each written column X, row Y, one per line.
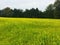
column 35, row 13
column 7, row 12
column 27, row 13
column 49, row 11
column 38, row 13
column 57, row 9
column 17, row 13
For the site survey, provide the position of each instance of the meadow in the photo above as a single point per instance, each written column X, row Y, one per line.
column 29, row 31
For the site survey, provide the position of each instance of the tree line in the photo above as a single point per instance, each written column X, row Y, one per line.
column 52, row 11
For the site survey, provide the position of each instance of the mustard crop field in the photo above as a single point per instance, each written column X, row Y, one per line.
column 29, row 31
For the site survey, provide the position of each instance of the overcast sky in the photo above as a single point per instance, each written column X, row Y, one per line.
column 25, row 4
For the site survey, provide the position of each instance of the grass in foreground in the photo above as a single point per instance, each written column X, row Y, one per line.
column 25, row 31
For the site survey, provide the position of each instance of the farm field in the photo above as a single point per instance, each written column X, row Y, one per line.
column 29, row 31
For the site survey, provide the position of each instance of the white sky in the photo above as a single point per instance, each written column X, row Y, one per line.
column 25, row 4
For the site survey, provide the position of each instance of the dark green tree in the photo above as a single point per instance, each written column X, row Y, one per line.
column 35, row 13
column 27, row 13
column 38, row 13
column 7, row 12
column 49, row 11
column 17, row 13
column 57, row 9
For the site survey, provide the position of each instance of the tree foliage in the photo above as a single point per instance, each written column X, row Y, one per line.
column 57, row 9
column 52, row 11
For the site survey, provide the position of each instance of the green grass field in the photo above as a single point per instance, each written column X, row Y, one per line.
column 29, row 31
